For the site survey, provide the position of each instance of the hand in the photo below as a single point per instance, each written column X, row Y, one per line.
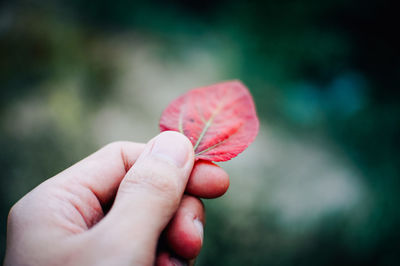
column 68, row 219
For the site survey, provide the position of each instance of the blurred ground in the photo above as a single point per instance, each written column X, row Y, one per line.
column 320, row 185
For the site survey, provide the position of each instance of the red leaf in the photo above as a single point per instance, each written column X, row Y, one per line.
column 220, row 120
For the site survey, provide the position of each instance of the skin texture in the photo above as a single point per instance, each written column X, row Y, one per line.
column 122, row 205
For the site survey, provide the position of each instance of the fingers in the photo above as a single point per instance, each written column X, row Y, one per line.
column 148, row 196
column 184, row 234
column 207, row 180
column 103, row 171
column 91, row 184
column 146, row 199
column 155, row 184
column 165, row 258
column 183, row 238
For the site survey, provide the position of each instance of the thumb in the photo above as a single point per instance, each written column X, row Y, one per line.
column 149, row 195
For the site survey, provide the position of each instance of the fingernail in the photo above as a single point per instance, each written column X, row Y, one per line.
column 178, row 262
column 172, row 147
column 199, row 226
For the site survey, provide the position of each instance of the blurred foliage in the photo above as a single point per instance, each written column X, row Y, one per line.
column 329, row 68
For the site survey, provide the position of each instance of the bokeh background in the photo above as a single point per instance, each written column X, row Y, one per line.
column 320, row 185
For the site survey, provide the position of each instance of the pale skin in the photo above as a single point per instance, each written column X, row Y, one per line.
column 126, row 204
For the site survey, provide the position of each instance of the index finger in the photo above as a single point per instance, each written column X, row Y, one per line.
column 103, row 171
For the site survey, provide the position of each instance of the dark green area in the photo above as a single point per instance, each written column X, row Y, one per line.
column 314, row 67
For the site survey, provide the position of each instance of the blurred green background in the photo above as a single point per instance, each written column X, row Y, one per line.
column 321, row 184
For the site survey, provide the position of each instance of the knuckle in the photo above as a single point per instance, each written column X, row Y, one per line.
column 118, row 146
column 14, row 212
column 115, row 145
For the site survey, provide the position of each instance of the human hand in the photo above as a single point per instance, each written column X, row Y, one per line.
column 116, row 207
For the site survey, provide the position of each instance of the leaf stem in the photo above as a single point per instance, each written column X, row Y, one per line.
column 209, row 148
column 180, row 123
column 208, row 124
